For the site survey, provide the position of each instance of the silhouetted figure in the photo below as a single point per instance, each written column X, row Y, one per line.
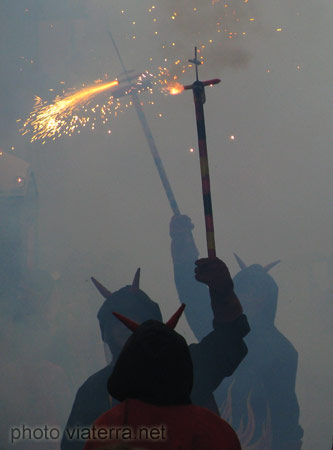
column 92, row 398
column 259, row 400
column 153, row 378
column 216, row 356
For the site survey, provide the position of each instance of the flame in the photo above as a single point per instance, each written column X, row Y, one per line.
column 226, row 408
column 48, row 120
column 173, row 88
column 245, row 433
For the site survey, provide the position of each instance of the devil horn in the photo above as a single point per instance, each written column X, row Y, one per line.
column 128, row 322
column 241, row 263
column 172, row 322
column 102, row 289
column 271, row 265
column 136, row 281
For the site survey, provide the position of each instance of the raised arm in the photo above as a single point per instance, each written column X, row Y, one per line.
column 218, row 354
column 196, row 295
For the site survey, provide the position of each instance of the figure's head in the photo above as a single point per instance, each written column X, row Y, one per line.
column 154, row 366
column 257, row 292
column 130, row 300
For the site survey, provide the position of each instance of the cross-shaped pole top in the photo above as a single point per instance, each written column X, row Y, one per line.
column 196, row 62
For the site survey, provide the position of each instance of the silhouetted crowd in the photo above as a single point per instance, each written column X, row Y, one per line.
column 234, row 388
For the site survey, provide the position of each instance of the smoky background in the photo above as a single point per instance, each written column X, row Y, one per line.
column 102, row 208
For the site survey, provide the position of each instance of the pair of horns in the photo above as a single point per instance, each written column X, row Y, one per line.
column 267, row 268
column 106, row 293
column 171, row 323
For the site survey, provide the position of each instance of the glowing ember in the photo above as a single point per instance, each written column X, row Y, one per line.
column 211, row 26
column 50, row 120
column 173, row 88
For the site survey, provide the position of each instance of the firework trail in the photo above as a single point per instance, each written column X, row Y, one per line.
column 51, row 120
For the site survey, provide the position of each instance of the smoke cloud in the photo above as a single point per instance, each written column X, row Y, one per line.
column 102, row 208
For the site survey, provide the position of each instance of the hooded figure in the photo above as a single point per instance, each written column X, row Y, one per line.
column 154, row 356
column 259, row 399
column 92, row 398
column 216, row 356
column 130, row 299
column 153, row 378
column 258, row 291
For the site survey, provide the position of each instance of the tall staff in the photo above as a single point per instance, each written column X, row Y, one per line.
column 149, row 137
column 198, row 88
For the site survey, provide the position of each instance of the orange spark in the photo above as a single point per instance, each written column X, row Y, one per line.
column 48, row 120
column 173, row 88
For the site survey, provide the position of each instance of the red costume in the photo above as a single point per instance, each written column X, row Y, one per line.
column 153, row 379
column 180, row 427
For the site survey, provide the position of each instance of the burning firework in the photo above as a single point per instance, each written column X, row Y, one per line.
column 69, row 112
column 57, row 118
column 173, row 88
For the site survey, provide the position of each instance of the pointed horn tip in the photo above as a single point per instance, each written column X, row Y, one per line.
column 102, row 289
column 136, row 280
column 181, row 309
column 130, row 324
column 240, row 262
column 95, row 282
column 270, row 266
column 172, row 322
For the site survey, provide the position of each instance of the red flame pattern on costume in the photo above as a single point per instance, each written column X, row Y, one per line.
column 246, row 432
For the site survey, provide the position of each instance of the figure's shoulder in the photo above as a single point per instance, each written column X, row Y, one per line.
column 113, row 416
column 283, row 341
column 96, row 380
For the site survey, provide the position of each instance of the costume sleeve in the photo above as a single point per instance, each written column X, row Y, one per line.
column 194, row 294
column 217, row 356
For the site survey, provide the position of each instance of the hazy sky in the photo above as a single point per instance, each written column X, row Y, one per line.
column 103, row 211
